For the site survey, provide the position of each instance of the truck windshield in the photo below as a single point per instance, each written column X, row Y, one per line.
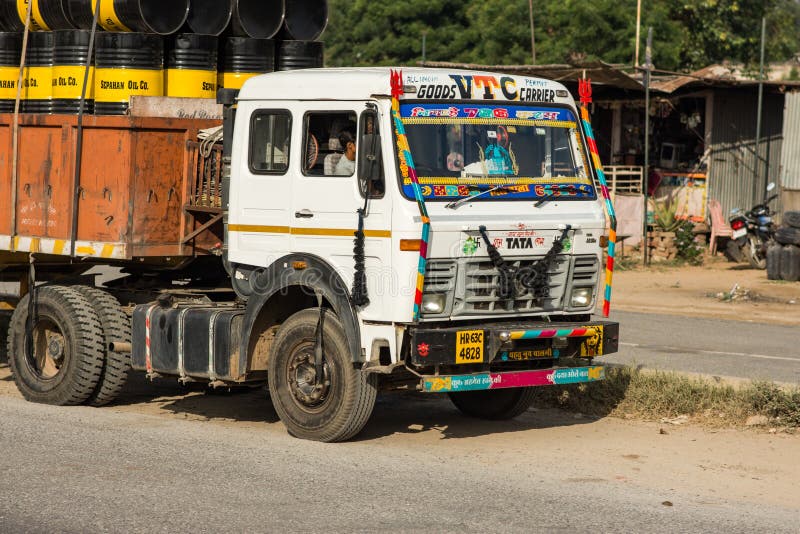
column 462, row 149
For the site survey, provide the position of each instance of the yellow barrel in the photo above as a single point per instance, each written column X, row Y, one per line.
column 69, row 69
column 10, row 48
column 37, row 78
column 242, row 58
column 192, row 66
column 126, row 65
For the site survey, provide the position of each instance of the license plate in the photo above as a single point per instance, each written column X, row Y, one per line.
column 741, row 232
column 469, row 346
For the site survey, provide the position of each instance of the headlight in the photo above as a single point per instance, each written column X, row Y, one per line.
column 433, row 303
column 581, row 297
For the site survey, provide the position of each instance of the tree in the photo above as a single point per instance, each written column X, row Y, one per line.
column 687, row 34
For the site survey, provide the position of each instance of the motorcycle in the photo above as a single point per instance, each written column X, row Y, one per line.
column 753, row 233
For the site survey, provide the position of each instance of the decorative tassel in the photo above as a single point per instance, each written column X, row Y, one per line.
column 359, row 291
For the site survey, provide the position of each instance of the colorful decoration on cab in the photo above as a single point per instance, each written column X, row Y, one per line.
column 409, row 172
column 585, row 93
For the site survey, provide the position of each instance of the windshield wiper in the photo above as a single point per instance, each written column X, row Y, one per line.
column 539, row 203
column 461, row 201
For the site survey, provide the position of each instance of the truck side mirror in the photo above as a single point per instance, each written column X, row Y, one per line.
column 370, row 161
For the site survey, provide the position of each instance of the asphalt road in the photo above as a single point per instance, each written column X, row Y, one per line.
column 104, row 470
column 710, row 346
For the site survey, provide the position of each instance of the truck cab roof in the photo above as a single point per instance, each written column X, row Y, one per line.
column 419, row 83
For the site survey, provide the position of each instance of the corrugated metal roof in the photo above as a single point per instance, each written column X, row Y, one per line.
column 733, row 158
column 790, row 154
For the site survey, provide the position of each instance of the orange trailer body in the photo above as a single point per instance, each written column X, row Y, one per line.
column 135, row 186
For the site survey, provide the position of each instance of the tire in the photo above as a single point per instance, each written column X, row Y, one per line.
column 494, row 404
column 346, row 401
column 792, row 218
column 66, row 324
column 753, row 251
column 733, row 252
column 116, row 327
column 787, row 235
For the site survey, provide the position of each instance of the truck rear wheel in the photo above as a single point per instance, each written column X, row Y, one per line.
column 340, row 406
column 66, row 356
column 116, row 327
column 494, row 404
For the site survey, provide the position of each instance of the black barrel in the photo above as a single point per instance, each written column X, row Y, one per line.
column 9, row 16
column 147, row 16
column 126, row 64
column 293, row 55
column 259, row 19
column 209, row 17
column 53, row 15
column 191, row 66
column 242, row 58
column 37, row 80
column 46, row 15
column 305, row 20
column 10, row 49
column 69, row 68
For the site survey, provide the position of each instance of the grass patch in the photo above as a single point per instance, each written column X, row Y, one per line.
column 652, row 395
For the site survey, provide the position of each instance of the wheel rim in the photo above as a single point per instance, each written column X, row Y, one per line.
column 50, row 352
column 300, row 376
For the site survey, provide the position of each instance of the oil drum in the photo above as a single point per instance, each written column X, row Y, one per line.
column 10, row 49
column 305, row 20
column 46, row 15
column 37, row 78
column 191, row 66
column 9, row 18
column 242, row 58
column 147, row 16
column 259, row 19
column 69, row 69
column 293, row 55
column 126, row 65
column 209, row 17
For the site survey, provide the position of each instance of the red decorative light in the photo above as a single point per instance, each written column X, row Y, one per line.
column 423, row 349
column 737, row 224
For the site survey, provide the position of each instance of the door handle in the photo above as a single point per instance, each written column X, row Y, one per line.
column 303, row 214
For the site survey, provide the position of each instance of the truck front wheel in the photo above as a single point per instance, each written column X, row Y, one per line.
column 494, row 404
column 65, row 359
column 339, row 406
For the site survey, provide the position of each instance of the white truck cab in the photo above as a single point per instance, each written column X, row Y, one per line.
column 481, row 222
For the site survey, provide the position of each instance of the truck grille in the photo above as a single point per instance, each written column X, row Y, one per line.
column 473, row 284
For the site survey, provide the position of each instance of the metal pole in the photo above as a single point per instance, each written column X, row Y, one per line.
column 638, row 25
column 756, row 166
column 645, row 175
column 533, row 38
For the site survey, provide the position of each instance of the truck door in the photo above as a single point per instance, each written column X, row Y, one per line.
column 259, row 209
column 326, row 196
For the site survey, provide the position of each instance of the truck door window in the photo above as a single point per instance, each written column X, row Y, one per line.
column 270, row 132
column 325, row 140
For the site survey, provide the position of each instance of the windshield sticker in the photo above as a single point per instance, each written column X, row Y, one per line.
column 471, row 111
column 481, row 87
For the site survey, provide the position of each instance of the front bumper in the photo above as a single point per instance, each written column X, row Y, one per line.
column 512, row 379
column 495, row 343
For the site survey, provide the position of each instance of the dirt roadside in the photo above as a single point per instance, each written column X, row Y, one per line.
column 705, row 291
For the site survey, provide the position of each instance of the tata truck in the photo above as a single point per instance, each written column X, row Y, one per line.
column 338, row 232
